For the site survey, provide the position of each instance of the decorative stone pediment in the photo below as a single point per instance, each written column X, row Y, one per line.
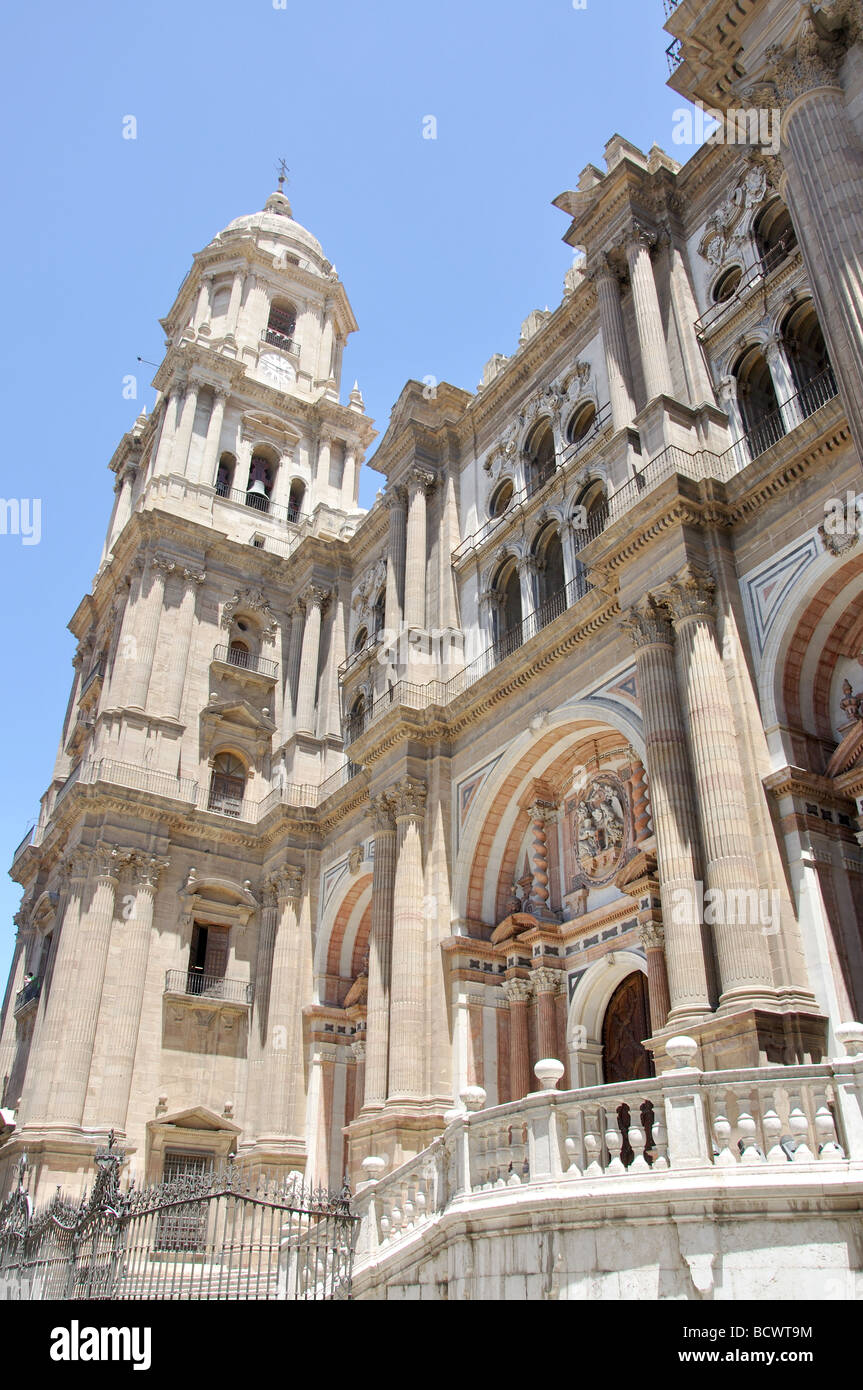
column 516, row 924
column 239, row 718
column 223, row 901
column 251, row 600
column 44, row 911
column 732, row 219
column 198, row 1117
column 369, row 587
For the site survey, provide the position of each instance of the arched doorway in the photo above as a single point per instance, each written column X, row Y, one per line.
column 626, row 1022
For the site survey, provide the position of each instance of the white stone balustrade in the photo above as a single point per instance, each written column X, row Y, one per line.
column 776, row 1120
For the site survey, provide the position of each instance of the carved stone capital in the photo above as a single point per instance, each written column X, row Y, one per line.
column 517, row 991
column 690, row 595
column 546, row 980
column 107, row 861
column 648, row 625
column 382, row 814
column 408, row 799
column 814, row 59
column 286, row 883
column 419, row 480
column 145, row 870
column 652, row 936
column 395, row 498
column 315, row 596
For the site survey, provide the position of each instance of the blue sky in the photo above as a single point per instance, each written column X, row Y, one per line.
column 444, row 245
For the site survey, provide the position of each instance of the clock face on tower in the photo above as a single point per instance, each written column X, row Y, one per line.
column 276, row 369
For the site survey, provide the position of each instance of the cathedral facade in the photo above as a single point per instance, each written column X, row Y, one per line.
column 552, row 759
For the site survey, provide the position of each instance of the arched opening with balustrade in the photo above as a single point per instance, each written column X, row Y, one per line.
column 540, row 461
column 757, row 402
column 507, row 611
column 550, row 575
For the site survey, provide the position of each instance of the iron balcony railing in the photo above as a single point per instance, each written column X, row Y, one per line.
column 96, row 673
column 770, row 261
column 775, row 426
column 356, row 658
column 27, row 994
column 670, row 7
column 563, row 463
column 27, row 840
column 195, row 983
column 260, row 502
column 246, row 661
column 674, row 54
column 280, row 340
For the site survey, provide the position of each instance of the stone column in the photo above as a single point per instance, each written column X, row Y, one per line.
column 491, row 606
column 614, row 345
column 202, row 308
column 729, row 861
column 282, row 1088
column 407, row 1033
column 349, row 481
column 58, row 978
column 528, row 573
column 541, row 814
column 332, row 722
column 685, row 314
column 212, row 451
column 396, row 501
column 144, row 628
column 171, row 419
column 783, row 383
column 315, row 599
column 416, row 561
column 648, row 317
column 823, row 186
column 674, row 818
column 121, row 1020
column 233, row 315
column 322, row 470
column 123, row 510
column 359, row 1050
column 517, row 994
column 292, row 679
column 729, row 403
column 180, row 643
column 546, row 983
column 652, row 938
column 183, row 438
column 380, row 954
column 450, row 537
column 78, row 979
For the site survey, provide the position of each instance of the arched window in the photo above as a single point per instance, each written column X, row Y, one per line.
column 361, row 639
column 357, row 718
column 296, row 498
column 225, row 475
column 281, row 324
column 507, row 615
column 500, row 498
column 774, row 234
column 551, row 580
column 756, row 397
column 807, row 357
column 540, row 460
column 582, row 424
column 589, row 519
column 262, row 476
column 726, row 285
column 238, row 652
column 227, row 784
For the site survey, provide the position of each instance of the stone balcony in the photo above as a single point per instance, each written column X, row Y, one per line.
column 729, row 1184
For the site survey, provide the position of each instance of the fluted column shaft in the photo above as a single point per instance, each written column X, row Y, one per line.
column 184, row 432
column 349, row 479
column 181, row 640
column 415, row 563
column 729, row 867
column 823, row 158
column 518, row 994
column 407, row 1034
column 210, row 461
column 380, row 955
column 686, row 313
column 546, row 983
column 648, row 317
column 80, row 975
column 123, row 510
column 674, row 816
column 338, row 648
column 235, row 301
column 614, row 345
column 653, row 941
column 395, row 561
column 122, row 1018
column 168, row 433
column 314, row 599
column 282, row 1071
column 292, row 679
column 359, row 1051
column 144, row 629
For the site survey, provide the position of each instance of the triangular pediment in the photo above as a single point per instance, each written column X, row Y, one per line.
column 198, row 1117
column 239, row 713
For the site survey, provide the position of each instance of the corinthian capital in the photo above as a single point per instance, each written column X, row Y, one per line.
column 286, row 882
column 546, row 980
column 517, row 991
column 813, row 60
column 420, row 480
column 408, row 798
column 652, row 936
column 315, row 595
column 382, row 813
column 690, row 594
column 146, row 869
column 648, row 625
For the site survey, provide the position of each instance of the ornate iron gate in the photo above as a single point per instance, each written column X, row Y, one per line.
column 221, row 1234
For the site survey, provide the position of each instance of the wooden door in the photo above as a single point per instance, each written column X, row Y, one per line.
column 626, row 1022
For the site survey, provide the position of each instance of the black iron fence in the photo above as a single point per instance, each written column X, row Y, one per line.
column 226, row 1233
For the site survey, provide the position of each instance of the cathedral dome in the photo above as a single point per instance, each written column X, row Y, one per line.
column 275, row 220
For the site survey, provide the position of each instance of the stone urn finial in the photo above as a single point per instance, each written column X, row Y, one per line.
column 548, row 1072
